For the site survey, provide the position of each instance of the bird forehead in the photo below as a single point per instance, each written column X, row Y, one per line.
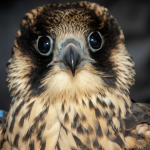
column 64, row 18
column 59, row 15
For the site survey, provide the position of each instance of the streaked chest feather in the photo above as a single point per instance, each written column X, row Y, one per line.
column 91, row 122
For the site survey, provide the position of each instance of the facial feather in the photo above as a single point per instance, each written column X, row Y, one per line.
column 52, row 109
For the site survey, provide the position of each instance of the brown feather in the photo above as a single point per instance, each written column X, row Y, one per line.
column 51, row 109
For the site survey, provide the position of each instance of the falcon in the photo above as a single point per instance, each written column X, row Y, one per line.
column 69, row 77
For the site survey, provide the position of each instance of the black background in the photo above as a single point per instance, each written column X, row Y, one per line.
column 133, row 16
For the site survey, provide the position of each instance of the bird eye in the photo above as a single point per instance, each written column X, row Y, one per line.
column 95, row 41
column 44, row 45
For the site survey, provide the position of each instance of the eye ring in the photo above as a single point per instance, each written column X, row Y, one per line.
column 101, row 42
column 50, row 46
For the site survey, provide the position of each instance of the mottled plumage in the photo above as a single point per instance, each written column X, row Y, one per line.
column 73, row 97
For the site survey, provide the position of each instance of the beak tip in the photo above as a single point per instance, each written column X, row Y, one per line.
column 73, row 73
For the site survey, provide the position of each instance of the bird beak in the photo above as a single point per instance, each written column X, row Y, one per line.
column 71, row 58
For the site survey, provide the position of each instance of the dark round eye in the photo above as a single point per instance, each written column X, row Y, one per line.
column 95, row 41
column 44, row 45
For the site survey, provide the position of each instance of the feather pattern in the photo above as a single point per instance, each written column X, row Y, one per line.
column 51, row 109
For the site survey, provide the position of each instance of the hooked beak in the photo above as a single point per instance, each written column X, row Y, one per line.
column 71, row 58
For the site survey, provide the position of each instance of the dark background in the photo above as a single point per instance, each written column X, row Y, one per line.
column 133, row 16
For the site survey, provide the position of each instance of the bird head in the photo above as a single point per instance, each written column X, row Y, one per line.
column 69, row 49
